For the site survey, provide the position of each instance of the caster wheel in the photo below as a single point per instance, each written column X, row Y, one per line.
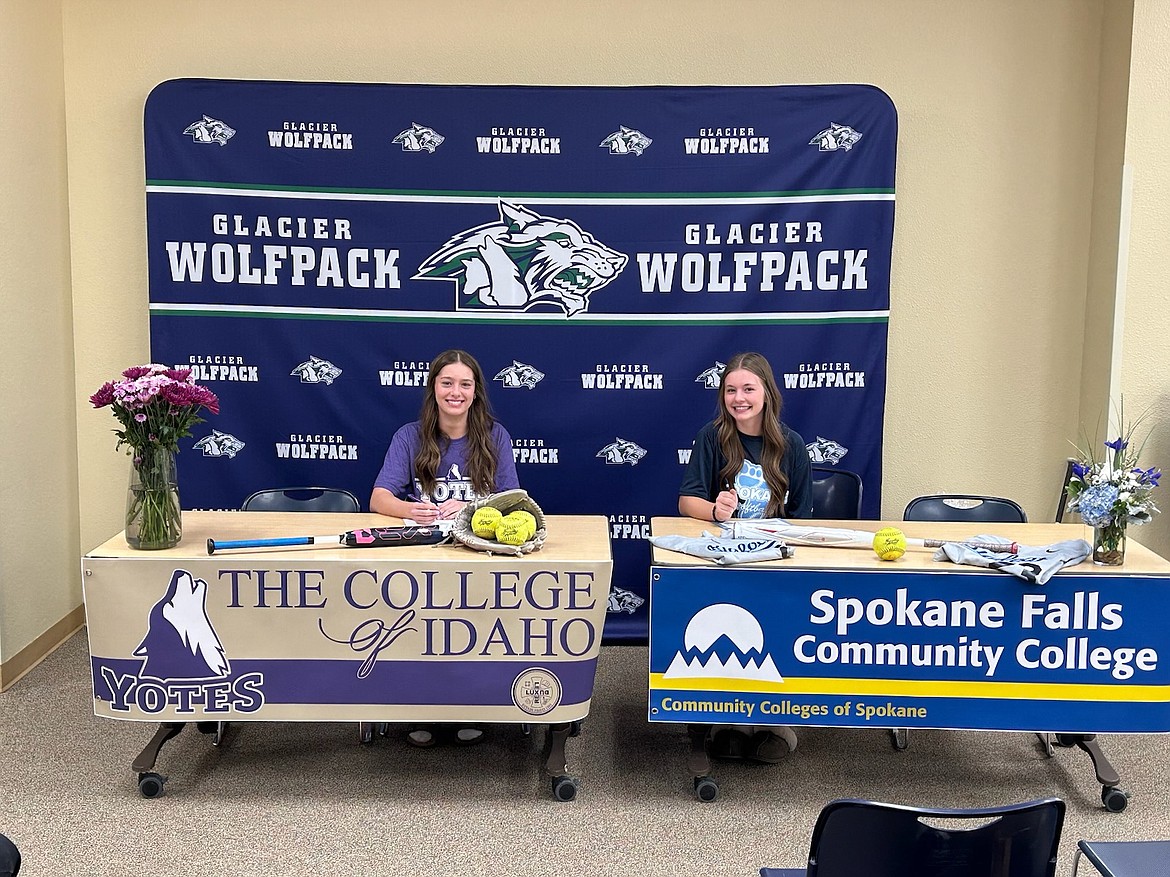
column 150, row 785
column 1066, row 741
column 900, row 737
column 564, row 788
column 706, row 789
column 1114, row 799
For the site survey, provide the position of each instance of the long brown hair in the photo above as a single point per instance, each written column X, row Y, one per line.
column 481, row 452
column 773, row 436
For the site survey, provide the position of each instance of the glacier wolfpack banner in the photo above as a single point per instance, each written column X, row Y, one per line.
column 601, row 251
column 1086, row 654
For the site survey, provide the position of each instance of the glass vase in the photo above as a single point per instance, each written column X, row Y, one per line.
column 1109, row 544
column 153, row 520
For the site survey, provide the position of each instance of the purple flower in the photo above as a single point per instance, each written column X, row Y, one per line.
column 140, row 417
column 1118, row 444
column 1080, row 470
column 104, row 396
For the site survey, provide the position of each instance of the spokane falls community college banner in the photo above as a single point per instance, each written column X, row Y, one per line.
column 601, row 251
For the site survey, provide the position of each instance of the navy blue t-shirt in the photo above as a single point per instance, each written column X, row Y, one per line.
column 707, row 461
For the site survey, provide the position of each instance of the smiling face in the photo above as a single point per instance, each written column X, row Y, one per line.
column 454, row 388
column 745, row 399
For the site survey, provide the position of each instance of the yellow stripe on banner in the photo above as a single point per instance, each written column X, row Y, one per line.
column 925, row 688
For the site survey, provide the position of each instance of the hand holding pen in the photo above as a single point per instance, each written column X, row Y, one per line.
column 726, row 502
column 422, row 511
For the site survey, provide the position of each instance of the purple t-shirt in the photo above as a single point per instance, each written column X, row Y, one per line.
column 398, row 475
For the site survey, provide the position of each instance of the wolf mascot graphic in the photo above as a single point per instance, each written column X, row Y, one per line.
column 626, row 141
column 180, row 642
column 219, row 444
column 711, row 377
column 825, row 450
column 419, row 138
column 520, row 374
column 209, row 130
column 835, row 137
column 622, row 451
column 315, row 370
column 523, row 260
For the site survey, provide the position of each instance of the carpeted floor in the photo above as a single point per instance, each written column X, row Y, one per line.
column 292, row 799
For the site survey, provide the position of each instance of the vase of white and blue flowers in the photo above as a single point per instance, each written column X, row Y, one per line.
column 1112, row 491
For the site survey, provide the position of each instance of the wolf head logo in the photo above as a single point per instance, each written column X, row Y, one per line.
column 209, row 130
column 621, row 600
column 419, row 138
column 180, row 642
column 523, row 260
column 219, row 444
column 625, row 141
column 316, row 371
column 825, row 450
column 835, row 137
column 622, row 451
column 520, row 374
column 711, row 377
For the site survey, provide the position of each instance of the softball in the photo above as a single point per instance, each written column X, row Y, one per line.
column 485, row 521
column 527, row 519
column 889, row 543
column 512, row 532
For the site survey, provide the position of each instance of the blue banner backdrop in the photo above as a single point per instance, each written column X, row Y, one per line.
column 601, row 250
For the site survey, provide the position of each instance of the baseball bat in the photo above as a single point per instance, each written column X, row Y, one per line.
column 370, row 537
column 840, row 537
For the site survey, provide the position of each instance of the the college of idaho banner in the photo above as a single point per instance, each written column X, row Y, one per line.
column 602, row 251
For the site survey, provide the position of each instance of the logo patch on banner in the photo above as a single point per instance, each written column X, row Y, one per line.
column 836, row 137
column 621, row 600
column 626, row 141
column 316, row 371
column 622, row 451
column 525, row 259
column 519, row 374
column 419, row 138
column 711, row 377
column 536, row 691
column 209, row 130
column 219, row 444
column 825, row 450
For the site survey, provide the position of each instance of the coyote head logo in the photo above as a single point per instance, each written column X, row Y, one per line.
column 523, row 260
column 625, row 141
column 622, row 451
column 180, row 642
column 209, row 130
column 711, row 377
column 219, row 444
column 316, row 371
column 825, row 450
column 419, row 138
column 520, row 374
column 835, row 137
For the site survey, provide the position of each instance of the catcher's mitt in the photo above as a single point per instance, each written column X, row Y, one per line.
column 506, row 501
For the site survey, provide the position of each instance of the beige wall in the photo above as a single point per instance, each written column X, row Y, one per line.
column 39, row 563
column 1012, row 127
column 1146, row 345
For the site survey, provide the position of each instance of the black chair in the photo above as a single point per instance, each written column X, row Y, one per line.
column 964, row 508
column 960, row 507
column 1062, row 502
column 836, row 494
column 302, row 499
column 854, row 837
column 9, row 858
column 1124, row 858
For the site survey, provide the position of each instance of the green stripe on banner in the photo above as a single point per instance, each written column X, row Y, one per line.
column 193, row 187
column 260, row 312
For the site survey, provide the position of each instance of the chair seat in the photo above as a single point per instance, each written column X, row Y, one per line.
column 1127, row 858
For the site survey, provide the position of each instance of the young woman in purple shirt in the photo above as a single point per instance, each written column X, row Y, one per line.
column 454, row 452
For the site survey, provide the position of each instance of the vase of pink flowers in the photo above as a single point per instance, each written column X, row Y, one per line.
column 156, row 407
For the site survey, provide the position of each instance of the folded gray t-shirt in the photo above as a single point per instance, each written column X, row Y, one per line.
column 1032, row 563
column 723, row 550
